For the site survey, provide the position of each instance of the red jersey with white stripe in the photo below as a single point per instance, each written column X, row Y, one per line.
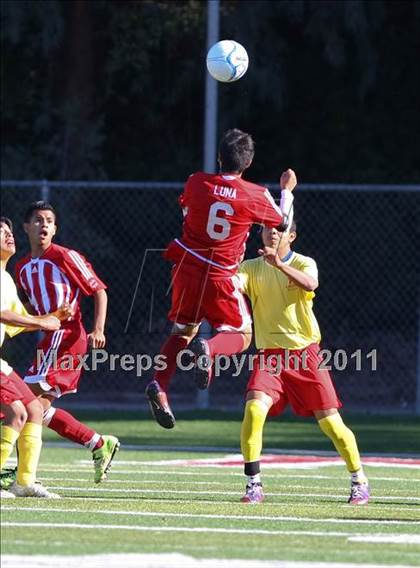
column 59, row 276
column 219, row 210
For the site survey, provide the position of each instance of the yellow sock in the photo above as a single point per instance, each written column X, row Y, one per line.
column 29, row 446
column 252, row 430
column 7, row 443
column 343, row 440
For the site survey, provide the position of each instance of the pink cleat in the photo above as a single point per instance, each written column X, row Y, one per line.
column 254, row 494
column 359, row 494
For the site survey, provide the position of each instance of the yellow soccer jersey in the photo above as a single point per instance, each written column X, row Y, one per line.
column 9, row 301
column 282, row 312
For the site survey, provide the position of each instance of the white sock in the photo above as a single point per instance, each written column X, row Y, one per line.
column 93, row 441
column 359, row 476
column 254, row 479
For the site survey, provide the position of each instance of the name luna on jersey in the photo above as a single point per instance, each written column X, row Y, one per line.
column 225, row 191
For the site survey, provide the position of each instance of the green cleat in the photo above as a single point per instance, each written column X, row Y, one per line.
column 7, row 477
column 103, row 456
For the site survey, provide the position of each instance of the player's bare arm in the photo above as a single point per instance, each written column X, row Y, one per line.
column 300, row 278
column 97, row 336
column 45, row 323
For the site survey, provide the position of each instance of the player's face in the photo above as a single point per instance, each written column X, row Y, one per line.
column 41, row 228
column 272, row 237
column 277, row 239
column 7, row 246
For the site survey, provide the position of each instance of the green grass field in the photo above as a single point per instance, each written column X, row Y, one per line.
column 150, row 507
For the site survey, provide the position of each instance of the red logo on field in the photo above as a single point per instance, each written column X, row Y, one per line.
column 302, row 461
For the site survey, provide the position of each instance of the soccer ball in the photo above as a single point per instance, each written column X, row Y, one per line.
column 227, row 61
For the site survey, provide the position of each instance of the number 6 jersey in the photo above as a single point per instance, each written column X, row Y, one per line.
column 219, row 210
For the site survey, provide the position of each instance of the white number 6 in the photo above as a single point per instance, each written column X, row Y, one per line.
column 215, row 221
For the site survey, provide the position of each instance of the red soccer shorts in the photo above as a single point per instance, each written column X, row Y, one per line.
column 57, row 367
column 13, row 388
column 195, row 297
column 290, row 377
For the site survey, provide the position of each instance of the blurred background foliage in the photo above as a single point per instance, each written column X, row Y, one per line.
column 104, row 89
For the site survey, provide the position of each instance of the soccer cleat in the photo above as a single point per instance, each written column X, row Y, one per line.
column 158, row 402
column 359, row 494
column 103, row 456
column 202, row 370
column 4, row 494
column 254, row 493
column 34, row 490
column 7, row 477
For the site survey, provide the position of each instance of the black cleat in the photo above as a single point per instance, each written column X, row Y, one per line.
column 203, row 363
column 158, row 402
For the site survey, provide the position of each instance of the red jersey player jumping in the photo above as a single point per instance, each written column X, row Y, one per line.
column 49, row 277
column 219, row 210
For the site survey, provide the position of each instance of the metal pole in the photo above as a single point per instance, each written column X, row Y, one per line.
column 210, row 117
column 210, row 142
column 417, row 409
column 44, row 196
column 45, row 191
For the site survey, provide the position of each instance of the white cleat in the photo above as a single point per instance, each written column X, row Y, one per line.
column 34, row 490
column 4, row 494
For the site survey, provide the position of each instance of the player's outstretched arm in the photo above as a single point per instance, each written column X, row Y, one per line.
column 266, row 212
column 28, row 322
column 97, row 336
column 288, row 180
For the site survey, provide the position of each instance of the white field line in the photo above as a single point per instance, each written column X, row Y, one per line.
column 170, row 482
column 190, row 529
column 209, row 463
column 214, row 516
column 179, row 472
column 175, row 560
column 193, row 492
column 388, row 539
column 272, row 505
column 148, row 481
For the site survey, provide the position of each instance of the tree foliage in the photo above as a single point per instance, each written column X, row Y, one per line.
column 115, row 89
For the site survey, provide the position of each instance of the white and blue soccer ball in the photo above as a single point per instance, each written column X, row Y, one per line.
column 227, row 61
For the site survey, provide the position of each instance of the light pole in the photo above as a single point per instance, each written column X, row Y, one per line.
column 210, row 140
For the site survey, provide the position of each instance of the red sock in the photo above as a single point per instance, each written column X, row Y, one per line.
column 226, row 343
column 172, row 346
column 68, row 427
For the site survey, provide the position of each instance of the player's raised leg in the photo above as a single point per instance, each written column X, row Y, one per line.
column 205, row 350
column 345, row 443
column 225, row 308
column 156, row 390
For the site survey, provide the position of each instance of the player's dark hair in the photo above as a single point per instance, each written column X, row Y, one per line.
column 7, row 222
column 283, row 226
column 236, row 151
column 38, row 206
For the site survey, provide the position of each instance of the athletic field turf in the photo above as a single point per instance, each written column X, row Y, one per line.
column 157, row 502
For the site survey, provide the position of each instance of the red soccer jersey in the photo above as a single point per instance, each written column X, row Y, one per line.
column 219, row 210
column 59, row 275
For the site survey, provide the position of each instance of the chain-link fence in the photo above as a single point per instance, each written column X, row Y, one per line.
column 365, row 240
